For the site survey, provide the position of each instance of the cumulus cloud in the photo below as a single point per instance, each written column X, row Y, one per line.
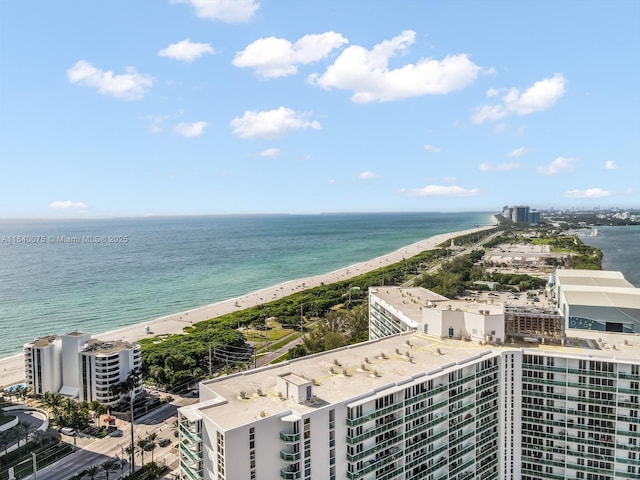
column 588, row 193
column 500, row 167
column 271, row 123
column 518, row 152
column 367, row 175
column 67, row 205
column 542, row 95
column 270, row 152
column 273, row 57
column 228, row 11
column 190, row 129
column 129, row 86
column 432, row 149
column 559, row 165
column 441, row 191
column 367, row 73
column 610, row 165
column 186, row 50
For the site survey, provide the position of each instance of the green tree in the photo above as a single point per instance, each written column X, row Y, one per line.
column 107, row 466
column 6, row 437
column 92, row 471
column 152, row 443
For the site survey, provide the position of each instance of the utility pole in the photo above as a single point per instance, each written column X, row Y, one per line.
column 301, row 318
column 209, row 358
column 35, row 466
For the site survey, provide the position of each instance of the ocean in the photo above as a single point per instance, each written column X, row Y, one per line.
column 99, row 275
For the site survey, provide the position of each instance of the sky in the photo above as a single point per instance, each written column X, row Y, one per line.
column 112, row 108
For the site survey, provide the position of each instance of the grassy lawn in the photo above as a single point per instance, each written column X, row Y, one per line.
column 274, row 333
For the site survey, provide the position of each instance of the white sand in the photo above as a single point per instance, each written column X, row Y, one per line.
column 12, row 368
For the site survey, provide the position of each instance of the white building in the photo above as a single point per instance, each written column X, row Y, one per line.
column 412, row 406
column 51, row 363
column 104, row 365
column 394, row 310
column 78, row 367
column 597, row 300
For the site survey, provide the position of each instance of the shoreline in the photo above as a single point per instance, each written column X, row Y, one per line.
column 12, row 368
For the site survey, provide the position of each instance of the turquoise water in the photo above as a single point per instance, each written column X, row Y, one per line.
column 98, row 275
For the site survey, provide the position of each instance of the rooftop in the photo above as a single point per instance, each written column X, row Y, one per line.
column 357, row 370
column 595, row 278
column 105, row 347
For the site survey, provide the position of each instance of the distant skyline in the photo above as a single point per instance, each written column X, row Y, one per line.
column 206, row 107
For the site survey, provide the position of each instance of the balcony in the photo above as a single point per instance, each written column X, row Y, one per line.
column 376, row 414
column 289, row 456
column 289, row 437
column 286, row 474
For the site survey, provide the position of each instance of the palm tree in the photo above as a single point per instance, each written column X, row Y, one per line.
column 6, row 437
column 131, row 450
column 152, row 443
column 22, row 430
column 108, row 465
column 142, row 444
column 92, row 471
column 128, row 386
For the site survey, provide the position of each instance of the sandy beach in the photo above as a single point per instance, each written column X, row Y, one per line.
column 12, row 368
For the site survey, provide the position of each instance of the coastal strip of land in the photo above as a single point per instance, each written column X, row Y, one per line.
column 12, row 368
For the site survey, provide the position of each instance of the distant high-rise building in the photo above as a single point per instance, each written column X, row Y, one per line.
column 520, row 214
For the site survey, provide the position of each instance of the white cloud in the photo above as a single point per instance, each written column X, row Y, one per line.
column 367, row 175
column 441, row 191
column 190, row 129
column 518, row 152
column 186, row 50
column 559, row 165
column 610, row 165
column 270, row 152
column 432, row 149
column 493, row 92
column 273, row 57
column 271, row 123
column 542, row 95
column 367, row 73
column 500, row 167
column 229, row 11
column 130, row 85
column 588, row 193
column 68, row 205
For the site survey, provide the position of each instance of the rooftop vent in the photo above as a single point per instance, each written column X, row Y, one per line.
column 243, row 394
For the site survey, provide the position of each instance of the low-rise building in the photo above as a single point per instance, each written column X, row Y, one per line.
column 596, row 300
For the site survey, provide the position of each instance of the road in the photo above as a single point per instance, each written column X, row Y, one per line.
column 91, row 451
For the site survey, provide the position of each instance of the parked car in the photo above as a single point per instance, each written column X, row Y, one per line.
column 116, row 433
column 164, row 442
column 68, row 431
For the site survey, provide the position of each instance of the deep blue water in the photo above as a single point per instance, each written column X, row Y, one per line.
column 54, row 277
column 620, row 248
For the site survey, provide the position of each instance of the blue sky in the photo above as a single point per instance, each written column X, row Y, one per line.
column 171, row 107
